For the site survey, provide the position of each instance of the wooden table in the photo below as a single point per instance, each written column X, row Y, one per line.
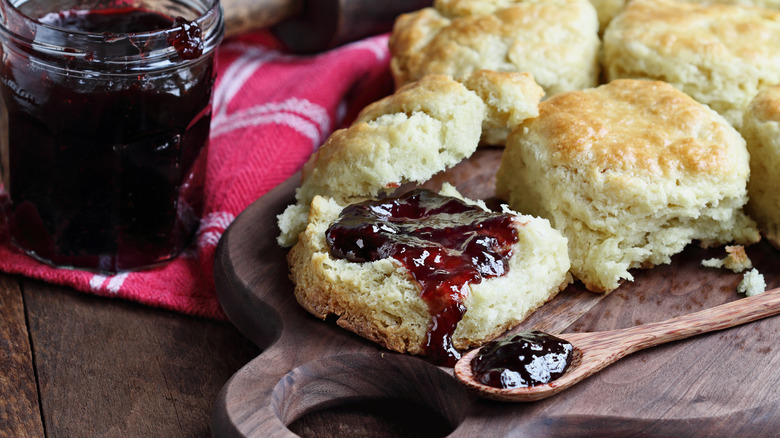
column 73, row 364
column 77, row 365
column 319, row 380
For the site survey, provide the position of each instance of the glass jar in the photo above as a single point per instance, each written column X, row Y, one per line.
column 105, row 109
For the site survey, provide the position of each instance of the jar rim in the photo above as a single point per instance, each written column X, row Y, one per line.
column 146, row 48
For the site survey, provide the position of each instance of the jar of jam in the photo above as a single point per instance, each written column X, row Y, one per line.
column 105, row 109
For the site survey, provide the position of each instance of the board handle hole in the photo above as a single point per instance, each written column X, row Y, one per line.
column 370, row 394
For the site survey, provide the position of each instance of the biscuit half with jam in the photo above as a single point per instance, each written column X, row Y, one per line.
column 426, row 273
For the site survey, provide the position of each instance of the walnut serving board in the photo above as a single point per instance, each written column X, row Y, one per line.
column 312, row 372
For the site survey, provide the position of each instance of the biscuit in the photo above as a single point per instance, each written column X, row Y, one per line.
column 761, row 129
column 554, row 40
column 608, row 9
column 721, row 55
column 630, row 172
column 424, row 128
column 380, row 300
column 510, row 98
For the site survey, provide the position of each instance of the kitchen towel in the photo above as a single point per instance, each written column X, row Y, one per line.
column 271, row 110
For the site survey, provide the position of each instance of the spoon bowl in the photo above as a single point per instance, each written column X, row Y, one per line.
column 593, row 351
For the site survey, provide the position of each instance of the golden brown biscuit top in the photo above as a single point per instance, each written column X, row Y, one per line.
column 435, row 95
column 457, row 37
column 766, row 105
column 462, row 8
column 422, row 129
column 712, row 31
column 637, row 126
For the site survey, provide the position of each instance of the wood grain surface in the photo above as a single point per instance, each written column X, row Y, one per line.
column 716, row 384
column 79, row 365
column 19, row 416
column 95, row 357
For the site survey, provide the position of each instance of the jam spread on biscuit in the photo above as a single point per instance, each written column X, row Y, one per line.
column 443, row 242
column 523, row 360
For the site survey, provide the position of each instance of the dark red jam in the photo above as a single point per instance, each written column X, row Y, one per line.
column 120, row 20
column 443, row 242
column 103, row 166
column 186, row 39
column 523, row 360
column 186, row 36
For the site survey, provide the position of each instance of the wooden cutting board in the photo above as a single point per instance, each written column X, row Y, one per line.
column 719, row 384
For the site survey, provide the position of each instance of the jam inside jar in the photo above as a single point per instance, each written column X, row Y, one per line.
column 105, row 113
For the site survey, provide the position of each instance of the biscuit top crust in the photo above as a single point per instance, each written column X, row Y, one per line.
column 766, row 105
column 464, row 8
column 437, row 96
column 457, row 37
column 635, row 126
column 715, row 32
column 423, row 128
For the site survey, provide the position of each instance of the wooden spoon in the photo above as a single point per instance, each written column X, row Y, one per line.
column 594, row 351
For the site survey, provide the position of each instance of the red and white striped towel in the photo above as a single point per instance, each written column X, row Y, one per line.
column 271, row 111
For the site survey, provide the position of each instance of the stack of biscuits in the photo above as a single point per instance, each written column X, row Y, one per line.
column 630, row 129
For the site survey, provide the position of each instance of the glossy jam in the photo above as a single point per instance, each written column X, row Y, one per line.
column 523, row 360
column 187, row 39
column 103, row 167
column 119, row 20
column 443, row 242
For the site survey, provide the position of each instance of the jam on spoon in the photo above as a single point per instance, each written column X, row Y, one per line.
column 597, row 350
column 523, row 360
column 442, row 241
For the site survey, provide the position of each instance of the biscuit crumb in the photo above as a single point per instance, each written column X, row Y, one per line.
column 752, row 283
column 736, row 260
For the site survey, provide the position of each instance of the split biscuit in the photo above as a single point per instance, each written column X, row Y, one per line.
column 630, row 172
column 423, row 128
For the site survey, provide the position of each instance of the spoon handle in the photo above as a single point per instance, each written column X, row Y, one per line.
column 632, row 339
